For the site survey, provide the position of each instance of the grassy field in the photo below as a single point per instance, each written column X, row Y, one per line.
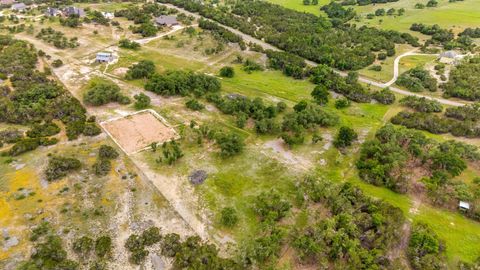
column 457, row 16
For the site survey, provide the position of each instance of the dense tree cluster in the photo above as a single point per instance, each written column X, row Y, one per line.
column 422, row 104
column 307, row 35
column 425, row 249
column 436, row 124
column 182, row 83
column 464, row 81
column 10, row 135
column 28, row 144
column 349, row 87
column 290, row 64
column 444, row 37
column 57, row 38
column 469, row 112
column 43, row 130
column 101, row 92
column 338, row 13
column 389, row 159
column 58, row 167
column 417, row 80
column 37, row 99
column 136, row 244
column 471, row 32
column 358, row 233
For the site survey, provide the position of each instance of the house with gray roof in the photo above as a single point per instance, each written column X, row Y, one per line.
column 19, row 7
column 51, row 12
column 74, row 11
column 166, row 20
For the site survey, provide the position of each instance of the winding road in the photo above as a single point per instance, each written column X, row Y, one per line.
column 267, row 46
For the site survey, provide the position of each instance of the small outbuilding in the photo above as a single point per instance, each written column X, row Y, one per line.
column 108, row 15
column 104, row 57
column 166, row 20
column 465, row 206
column 19, row 7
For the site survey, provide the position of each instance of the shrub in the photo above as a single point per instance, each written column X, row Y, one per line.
column 142, row 101
column 103, row 246
column 270, row 206
column 229, row 217
column 141, row 70
column 384, row 96
column 227, row 72
column 59, row 167
column 320, row 94
column 103, row 92
column 102, row 167
column 108, row 152
column 194, row 105
column 57, row 63
column 342, row 103
column 128, row 44
column 345, row 137
column 230, row 144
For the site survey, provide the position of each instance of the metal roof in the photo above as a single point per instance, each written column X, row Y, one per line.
column 165, row 19
column 464, row 205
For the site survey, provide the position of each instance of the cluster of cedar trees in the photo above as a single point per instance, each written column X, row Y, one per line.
column 390, row 158
column 36, row 100
column 427, row 115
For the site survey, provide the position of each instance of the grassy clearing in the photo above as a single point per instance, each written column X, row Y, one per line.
column 458, row 15
column 298, row 5
column 412, row 61
column 267, row 84
column 386, row 74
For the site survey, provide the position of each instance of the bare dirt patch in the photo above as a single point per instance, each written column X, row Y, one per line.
column 137, row 131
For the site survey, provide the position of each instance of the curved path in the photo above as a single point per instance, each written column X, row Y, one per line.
column 397, row 62
column 267, row 46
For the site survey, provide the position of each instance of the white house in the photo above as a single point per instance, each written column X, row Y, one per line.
column 104, row 57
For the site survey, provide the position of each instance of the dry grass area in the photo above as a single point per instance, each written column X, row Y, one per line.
column 135, row 132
